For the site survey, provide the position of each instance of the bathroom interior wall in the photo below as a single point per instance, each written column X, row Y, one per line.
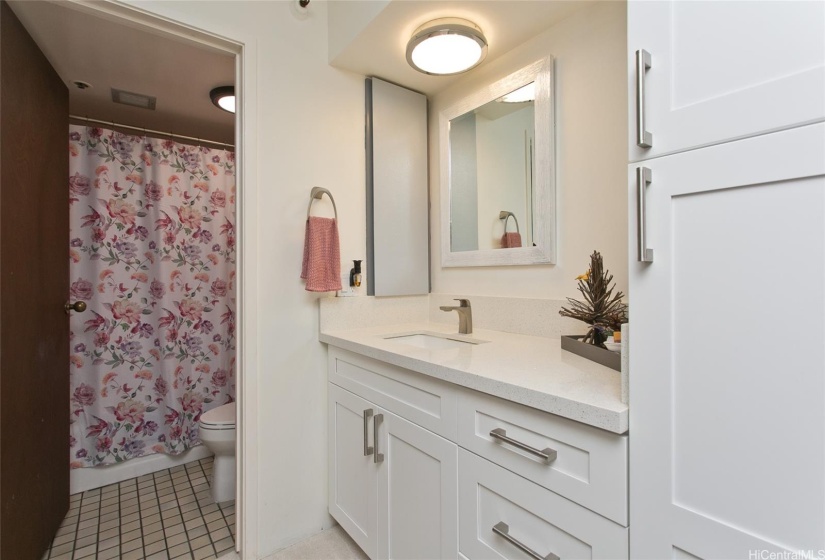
column 504, row 184
column 591, row 151
column 309, row 122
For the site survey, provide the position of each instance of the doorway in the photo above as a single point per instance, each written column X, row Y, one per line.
column 182, row 483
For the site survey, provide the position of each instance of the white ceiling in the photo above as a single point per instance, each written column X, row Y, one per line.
column 380, row 48
column 109, row 55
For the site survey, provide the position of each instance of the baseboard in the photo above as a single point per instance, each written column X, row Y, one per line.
column 81, row 480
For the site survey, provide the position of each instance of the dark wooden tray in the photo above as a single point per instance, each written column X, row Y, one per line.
column 613, row 360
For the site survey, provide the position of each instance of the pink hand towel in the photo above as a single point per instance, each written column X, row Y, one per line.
column 510, row 240
column 322, row 255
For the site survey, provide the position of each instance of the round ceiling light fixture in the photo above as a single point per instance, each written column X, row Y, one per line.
column 446, row 46
column 223, row 98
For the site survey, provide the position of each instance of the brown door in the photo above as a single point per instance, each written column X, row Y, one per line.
column 34, row 275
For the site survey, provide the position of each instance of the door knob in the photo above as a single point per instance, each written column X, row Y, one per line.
column 79, row 306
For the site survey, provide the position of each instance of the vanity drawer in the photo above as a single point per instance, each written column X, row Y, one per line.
column 590, row 465
column 490, row 496
column 425, row 401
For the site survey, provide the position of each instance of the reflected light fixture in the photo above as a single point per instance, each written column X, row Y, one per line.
column 521, row 95
column 224, row 98
column 446, row 46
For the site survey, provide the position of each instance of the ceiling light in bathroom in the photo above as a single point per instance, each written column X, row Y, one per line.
column 521, row 95
column 224, row 98
column 446, row 46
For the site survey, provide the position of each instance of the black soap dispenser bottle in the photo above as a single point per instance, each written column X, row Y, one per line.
column 355, row 275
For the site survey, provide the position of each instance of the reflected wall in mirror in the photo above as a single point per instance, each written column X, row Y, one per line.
column 491, row 174
column 498, row 195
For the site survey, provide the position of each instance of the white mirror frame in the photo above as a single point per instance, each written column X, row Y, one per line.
column 544, row 192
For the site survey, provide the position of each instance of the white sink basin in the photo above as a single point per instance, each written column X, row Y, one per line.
column 432, row 341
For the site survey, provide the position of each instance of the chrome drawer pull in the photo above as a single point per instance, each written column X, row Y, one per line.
column 377, row 419
column 644, row 177
column 644, row 139
column 367, row 448
column 547, row 453
column 503, row 530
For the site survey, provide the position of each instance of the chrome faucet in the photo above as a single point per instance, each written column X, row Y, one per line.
column 465, row 315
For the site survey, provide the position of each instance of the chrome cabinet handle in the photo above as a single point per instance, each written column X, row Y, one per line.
column 547, row 453
column 644, row 176
column 367, row 448
column 503, row 530
column 644, row 139
column 377, row 419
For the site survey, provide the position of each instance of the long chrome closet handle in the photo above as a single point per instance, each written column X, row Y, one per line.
column 547, row 453
column 644, row 176
column 377, row 419
column 367, row 448
column 644, row 139
column 503, row 530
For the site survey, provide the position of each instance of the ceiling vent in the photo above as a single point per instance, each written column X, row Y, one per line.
column 133, row 99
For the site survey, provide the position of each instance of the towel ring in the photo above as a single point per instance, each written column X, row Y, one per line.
column 505, row 215
column 317, row 193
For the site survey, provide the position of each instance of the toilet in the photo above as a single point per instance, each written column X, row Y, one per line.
column 217, row 433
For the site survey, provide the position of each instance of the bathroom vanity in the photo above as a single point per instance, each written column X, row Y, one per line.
column 488, row 445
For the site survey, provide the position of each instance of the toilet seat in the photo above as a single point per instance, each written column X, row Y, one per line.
column 220, row 418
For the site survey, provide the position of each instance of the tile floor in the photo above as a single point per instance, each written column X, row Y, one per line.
column 167, row 515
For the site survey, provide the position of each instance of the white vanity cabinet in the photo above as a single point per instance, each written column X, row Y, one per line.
column 415, row 472
column 392, row 483
column 721, row 71
column 417, row 489
column 353, row 476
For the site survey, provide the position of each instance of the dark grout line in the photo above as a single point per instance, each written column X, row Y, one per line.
column 77, row 527
column 200, row 511
column 140, row 513
column 99, row 514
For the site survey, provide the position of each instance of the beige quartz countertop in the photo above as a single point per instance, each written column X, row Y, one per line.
column 530, row 370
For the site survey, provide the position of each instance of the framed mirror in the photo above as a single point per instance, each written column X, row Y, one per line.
column 498, row 196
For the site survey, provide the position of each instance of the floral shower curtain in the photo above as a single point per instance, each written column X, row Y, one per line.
column 152, row 254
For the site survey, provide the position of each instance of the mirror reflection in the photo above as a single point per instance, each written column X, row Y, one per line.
column 492, row 172
column 498, row 188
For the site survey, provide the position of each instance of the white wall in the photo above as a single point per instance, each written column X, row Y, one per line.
column 308, row 121
column 464, row 180
column 591, row 124
column 347, row 20
column 503, row 182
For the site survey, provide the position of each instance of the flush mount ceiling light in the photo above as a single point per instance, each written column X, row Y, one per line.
column 446, row 46
column 224, row 98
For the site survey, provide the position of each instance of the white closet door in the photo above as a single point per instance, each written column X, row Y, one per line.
column 417, row 492
column 727, row 423
column 725, row 70
column 353, row 475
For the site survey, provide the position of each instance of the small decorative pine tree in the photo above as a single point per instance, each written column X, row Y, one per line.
column 601, row 309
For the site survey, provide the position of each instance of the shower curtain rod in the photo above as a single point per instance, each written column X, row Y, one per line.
column 150, row 131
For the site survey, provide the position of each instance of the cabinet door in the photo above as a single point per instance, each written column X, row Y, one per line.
column 417, row 492
column 353, row 474
column 727, row 424
column 397, row 203
column 725, row 70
